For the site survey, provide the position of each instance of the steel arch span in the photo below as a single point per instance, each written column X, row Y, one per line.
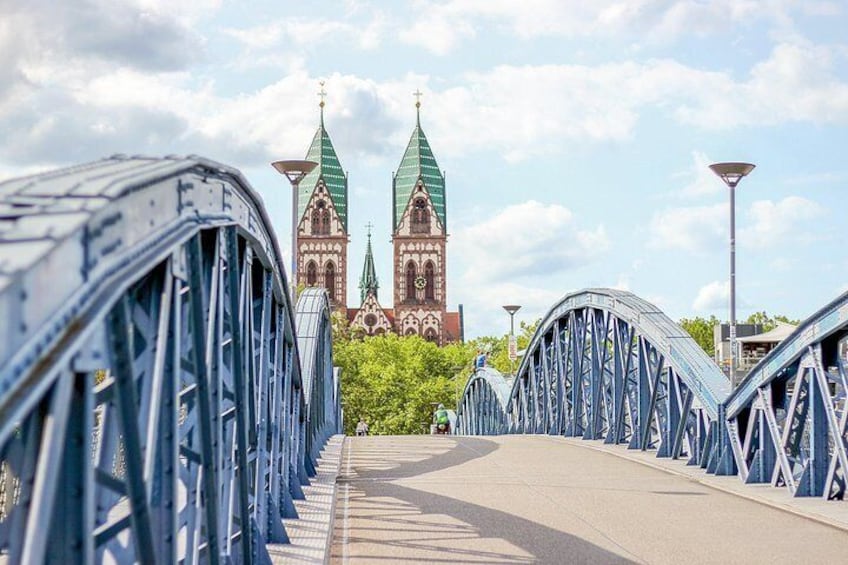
column 607, row 365
column 154, row 402
column 788, row 419
column 483, row 406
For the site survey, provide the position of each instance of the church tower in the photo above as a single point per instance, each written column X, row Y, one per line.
column 420, row 238
column 322, row 234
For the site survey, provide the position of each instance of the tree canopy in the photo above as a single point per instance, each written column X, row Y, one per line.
column 394, row 381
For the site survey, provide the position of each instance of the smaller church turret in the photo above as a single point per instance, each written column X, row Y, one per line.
column 368, row 281
column 370, row 316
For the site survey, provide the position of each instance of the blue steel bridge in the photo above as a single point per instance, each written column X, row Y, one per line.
column 162, row 400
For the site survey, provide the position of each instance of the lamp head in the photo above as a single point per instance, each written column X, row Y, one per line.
column 294, row 169
column 732, row 173
column 512, row 308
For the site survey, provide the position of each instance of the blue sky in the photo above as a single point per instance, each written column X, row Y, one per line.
column 575, row 135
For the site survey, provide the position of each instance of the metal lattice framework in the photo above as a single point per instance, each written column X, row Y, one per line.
column 483, row 408
column 787, row 420
column 153, row 407
column 605, row 364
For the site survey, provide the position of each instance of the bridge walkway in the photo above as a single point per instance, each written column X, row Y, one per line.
column 539, row 499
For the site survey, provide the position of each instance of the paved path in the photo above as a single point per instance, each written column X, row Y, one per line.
column 537, row 499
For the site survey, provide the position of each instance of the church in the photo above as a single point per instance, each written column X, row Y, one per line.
column 419, row 238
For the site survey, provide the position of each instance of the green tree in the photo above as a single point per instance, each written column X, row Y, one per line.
column 701, row 330
column 769, row 322
column 393, row 381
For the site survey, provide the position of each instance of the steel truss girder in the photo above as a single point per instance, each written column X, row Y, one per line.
column 156, row 412
column 606, row 365
column 609, row 366
column 787, row 420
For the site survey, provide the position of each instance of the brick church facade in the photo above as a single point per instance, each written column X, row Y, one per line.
column 419, row 238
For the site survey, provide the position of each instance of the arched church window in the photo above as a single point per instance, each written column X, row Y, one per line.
column 430, row 281
column 311, row 274
column 321, row 219
column 410, row 331
column 420, row 216
column 410, row 281
column 330, row 279
column 430, row 335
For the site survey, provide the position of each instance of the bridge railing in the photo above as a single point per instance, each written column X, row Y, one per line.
column 153, row 406
column 607, row 365
column 787, row 420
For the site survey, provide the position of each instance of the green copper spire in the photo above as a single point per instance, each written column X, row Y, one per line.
column 329, row 168
column 417, row 163
column 368, row 281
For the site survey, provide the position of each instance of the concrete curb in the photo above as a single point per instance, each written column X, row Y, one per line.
column 311, row 534
column 709, row 481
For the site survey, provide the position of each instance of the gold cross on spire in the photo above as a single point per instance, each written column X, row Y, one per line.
column 322, row 93
column 418, row 94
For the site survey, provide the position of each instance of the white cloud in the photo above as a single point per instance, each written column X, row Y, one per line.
column 302, row 32
column 92, row 90
column 520, row 255
column 646, row 21
column 484, row 314
column 767, row 224
column 696, row 228
column 702, row 181
column 776, row 222
column 712, row 296
column 528, row 240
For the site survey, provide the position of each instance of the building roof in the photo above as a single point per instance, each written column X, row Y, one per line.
column 368, row 281
column 776, row 335
column 453, row 326
column 329, row 169
column 417, row 163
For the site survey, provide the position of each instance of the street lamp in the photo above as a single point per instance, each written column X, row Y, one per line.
column 512, row 346
column 731, row 174
column 294, row 170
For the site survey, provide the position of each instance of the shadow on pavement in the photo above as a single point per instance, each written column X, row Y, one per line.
column 380, row 521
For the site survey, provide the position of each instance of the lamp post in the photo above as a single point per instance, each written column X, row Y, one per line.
column 294, row 170
column 731, row 174
column 512, row 346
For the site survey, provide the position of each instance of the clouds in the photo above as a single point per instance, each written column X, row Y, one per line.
column 44, row 33
column 451, row 22
column 767, row 224
column 309, row 33
column 521, row 253
column 527, row 240
column 690, row 228
column 134, row 65
column 712, row 296
column 775, row 222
